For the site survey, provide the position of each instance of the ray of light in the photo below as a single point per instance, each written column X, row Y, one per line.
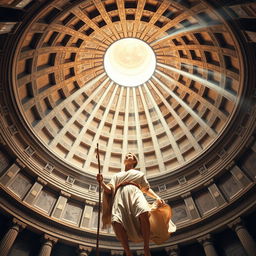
column 205, row 126
column 212, row 107
column 185, row 129
column 203, row 81
column 175, row 33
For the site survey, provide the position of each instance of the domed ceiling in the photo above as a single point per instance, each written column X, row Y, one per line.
column 167, row 96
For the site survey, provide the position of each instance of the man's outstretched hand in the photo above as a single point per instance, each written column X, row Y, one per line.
column 99, row 178
column 160, row 202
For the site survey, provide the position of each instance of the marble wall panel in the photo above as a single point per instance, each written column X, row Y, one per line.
column 72, row 213
column 60, row 205
column 94, row 222
column 205, row 202
column 87, row 215
column 46, row 201
column 4, row 162
column 248, row 163
column 179, row 213
column 20, row 185
column 229, row 186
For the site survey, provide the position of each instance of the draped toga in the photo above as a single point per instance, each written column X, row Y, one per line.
column 126, row 204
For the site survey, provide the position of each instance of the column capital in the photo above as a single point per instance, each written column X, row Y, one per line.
column 20, row 163
column 41, row 181
column 236, row 223
column 84, row 250
column 19, row 223
column 209, row 182
column 89, row 202
column 65, row 194
column 205, row 238
column 50, row 238
column 186, row 195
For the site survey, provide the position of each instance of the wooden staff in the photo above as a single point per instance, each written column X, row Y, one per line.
column 99, row 209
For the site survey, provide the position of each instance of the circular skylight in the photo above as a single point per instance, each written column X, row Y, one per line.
column 130, row 62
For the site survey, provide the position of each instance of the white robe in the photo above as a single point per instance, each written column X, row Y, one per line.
column 129, row 202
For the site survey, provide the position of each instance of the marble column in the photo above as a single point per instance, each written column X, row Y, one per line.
column 84, row 250
column 206, row 242
column 244, row 236
column 172, row 250
column 47, row 245
column 9, row 238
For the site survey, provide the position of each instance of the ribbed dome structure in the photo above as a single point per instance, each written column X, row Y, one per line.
column 70, row 103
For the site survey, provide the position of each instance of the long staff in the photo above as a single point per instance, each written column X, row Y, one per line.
column 99, row 208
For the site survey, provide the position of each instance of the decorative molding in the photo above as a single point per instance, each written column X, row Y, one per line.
column 41, row 181
column 70, row 180
column 162, row 188
column 65, row 194
column 186, row 195
column 202, row 170
column 29, row 150
column 13, row 129
column 20, row 163
column 208, row 183
column 182, row 180
column 49, row 167
column 91, row 203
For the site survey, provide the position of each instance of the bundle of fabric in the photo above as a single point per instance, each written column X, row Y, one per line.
column 161, row 225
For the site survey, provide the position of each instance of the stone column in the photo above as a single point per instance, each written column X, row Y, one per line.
column 10, row 236
column 172, row 250
column 244, row 236
column 206, row 242
column 48, row 243
column 84, row 250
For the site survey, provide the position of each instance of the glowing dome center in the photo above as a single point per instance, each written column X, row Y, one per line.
column 130, row 62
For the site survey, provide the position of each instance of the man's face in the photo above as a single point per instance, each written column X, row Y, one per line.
column 129, row 158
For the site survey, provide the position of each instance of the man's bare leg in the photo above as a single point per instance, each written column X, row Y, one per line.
column 122, row 236
column 145, row 230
